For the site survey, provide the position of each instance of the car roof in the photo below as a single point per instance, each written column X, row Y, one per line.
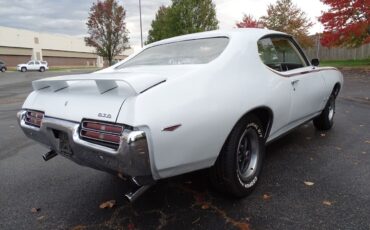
column 252, row 34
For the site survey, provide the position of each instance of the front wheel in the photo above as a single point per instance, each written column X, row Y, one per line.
column 326, row 119
column 3, row 69
column 239, row 164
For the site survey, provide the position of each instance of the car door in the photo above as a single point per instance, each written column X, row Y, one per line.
column 37, row 65
column 31, row 65
column 307, row 84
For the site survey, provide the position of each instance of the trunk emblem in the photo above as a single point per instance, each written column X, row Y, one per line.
column 105, row 115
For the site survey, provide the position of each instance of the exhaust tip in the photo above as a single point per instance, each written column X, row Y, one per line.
column 47, row 156
column 136, row 193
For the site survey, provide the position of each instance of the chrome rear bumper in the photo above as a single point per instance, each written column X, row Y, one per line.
column 131, row 159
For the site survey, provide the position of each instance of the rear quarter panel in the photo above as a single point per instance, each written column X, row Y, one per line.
column 331, row 76
column 207, row 103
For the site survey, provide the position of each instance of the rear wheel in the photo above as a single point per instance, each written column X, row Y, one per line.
column 3, row 69
column 239, row 164
column 326, row 119
column 42, row 69
column 23, row 69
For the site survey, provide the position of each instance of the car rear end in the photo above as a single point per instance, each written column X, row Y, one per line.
column 76, row 118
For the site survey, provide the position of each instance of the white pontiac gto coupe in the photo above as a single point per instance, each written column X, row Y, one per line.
column 207, row 100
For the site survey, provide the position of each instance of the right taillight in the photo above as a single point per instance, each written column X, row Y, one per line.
column 34, row 118
column 102, row 133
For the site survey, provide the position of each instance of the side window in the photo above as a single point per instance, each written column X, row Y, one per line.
column 280, row 53
column 37, row 63
column 30, row 63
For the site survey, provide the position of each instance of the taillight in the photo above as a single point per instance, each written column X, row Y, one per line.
column 34, row 118
column 102, row 133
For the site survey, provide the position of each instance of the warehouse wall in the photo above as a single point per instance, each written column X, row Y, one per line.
column 70, row 61
column 13, row 56
column 14, row 60
column 19, row 46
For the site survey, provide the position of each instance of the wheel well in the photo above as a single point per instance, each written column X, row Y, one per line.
column 336, row 89
column 265, row 115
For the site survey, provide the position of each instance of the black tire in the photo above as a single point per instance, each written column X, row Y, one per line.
column 42, row 69
column 239, row 164
column 3, row 69
column 23, row 69
column 326, row 119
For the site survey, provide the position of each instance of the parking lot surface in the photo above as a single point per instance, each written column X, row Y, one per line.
column 310, row 180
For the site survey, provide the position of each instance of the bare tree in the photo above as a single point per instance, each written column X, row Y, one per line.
column 107, row 29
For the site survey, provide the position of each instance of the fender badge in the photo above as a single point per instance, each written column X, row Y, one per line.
column 171, row 128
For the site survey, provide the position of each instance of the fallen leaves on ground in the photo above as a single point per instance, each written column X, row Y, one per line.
column 266, row 197
column 327, row 203
column 205, row 206
column 309, row 183
column 34, row 210
column 108, row 204
column 367, row 142
column 338, row 148
column 130, row 226
column 79, row 227
column 323, row 134
column 40, row 217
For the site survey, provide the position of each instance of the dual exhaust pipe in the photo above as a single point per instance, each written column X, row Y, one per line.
column 131, row 196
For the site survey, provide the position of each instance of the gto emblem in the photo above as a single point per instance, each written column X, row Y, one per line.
column 105, row 115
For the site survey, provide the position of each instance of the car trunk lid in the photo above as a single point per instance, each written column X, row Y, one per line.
column 97, row 96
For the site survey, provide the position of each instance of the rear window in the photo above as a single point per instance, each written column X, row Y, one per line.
column 200, row 51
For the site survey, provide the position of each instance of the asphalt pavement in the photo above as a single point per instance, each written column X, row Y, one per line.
column 310, row 180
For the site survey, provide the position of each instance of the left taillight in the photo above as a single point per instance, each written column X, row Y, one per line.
column 33, row 118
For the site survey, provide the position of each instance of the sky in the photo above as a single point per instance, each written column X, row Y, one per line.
column 69, row 16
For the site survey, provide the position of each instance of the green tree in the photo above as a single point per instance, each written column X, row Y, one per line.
column 107, row 29
column 158, row 31
column 286, row 17
column 183, row 17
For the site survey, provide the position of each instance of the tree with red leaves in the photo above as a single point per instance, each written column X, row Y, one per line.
column 107, row 29
column 346, row 23
column 248, row 22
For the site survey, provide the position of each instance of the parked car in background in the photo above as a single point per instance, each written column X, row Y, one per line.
column 33, row 65
column 206, row 100
column 2, row 66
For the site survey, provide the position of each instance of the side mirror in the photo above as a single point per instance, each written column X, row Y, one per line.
column 315, row 62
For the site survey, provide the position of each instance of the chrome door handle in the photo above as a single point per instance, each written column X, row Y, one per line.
column 295, row 82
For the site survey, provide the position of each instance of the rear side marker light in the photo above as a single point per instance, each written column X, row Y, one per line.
column 34, row 118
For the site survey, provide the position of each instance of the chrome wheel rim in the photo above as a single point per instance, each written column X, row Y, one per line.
column 247, row 154
column 331, row 110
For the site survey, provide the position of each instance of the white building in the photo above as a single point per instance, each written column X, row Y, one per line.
column 18, row 46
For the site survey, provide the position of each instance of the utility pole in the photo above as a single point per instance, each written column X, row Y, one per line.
column 141, row 25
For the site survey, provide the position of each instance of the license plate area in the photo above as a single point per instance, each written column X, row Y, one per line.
column 64, row 146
